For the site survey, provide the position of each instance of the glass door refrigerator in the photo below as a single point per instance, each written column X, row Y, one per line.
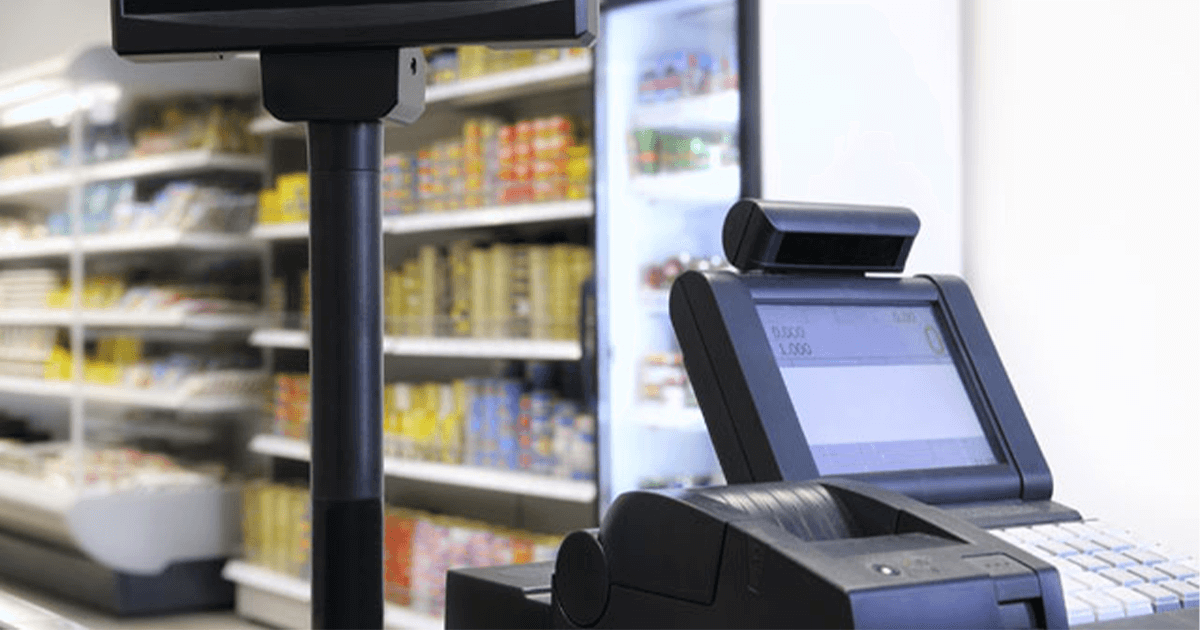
column 667, row 108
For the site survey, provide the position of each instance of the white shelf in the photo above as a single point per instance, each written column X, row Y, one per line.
column 539, row 79
column 710, row 111
column 170, row 319
column 489, row 217
column 35, row 387
column 174, row 163
column 168, row 238
column 34, row 317
column 445, row 347
column 477, row 348
column 45, row 188
column 279, row 338
column 675, row 418
column 494, row 216
column 36, row 248
column 512, row 482
column 140, row 530
column 130, row 319
column 128, row 396
column 280, row 231
column 714, row 185
column 292, row 596
column 159, row 399
column 520, row 82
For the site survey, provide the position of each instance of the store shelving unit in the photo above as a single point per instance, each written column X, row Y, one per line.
column 439, row 347
column 144, row 548
column 284, row 601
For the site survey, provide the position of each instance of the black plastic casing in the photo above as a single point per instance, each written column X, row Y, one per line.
column 782, row 236
column 833, row 553
column 749, row 413
column 209, row 27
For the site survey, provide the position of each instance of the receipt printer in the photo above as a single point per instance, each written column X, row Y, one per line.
column 831, row 553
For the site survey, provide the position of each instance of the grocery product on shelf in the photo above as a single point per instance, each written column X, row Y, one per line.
column 419, row 547
column 16, row 230
column 489, row 164
column 662, row 379
column 122, row 361
column 27, row 288
column 180, row 123
column 286, row 202
column 32, row 162
column 500, row 291
column 24, row 350
column 659, row 276
column 114, row 293
column 655, row 152
column 446, row 65
column 183, row 205
column 101, row 469
column 505, row 423
column 681, row 73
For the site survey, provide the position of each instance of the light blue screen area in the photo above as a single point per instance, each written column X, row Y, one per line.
column 875, row 388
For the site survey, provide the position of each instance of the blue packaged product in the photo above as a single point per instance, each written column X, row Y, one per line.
column 563, row 421
column 583, row 451
column 541, row 431
column 489, row 436
column 508, row 410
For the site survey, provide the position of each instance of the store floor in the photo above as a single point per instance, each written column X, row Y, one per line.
column 99, row 620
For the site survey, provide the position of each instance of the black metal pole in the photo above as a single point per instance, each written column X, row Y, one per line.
column 345, row 267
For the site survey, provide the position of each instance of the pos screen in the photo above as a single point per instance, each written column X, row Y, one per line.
column 875, row 387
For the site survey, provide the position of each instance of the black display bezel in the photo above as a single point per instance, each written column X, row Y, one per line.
column 379, row 24
column 728, row 357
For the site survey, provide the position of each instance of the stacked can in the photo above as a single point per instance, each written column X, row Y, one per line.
column 292, row 407
column 481, row 146
column 399, row 184
column 574, row 442
column 440, row 177
column 458, row 264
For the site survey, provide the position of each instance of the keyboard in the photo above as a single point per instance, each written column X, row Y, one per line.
column 1108, row 572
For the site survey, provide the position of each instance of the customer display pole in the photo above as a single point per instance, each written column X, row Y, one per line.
column 343, row 96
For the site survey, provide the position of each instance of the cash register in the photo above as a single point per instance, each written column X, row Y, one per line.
column 881, row 470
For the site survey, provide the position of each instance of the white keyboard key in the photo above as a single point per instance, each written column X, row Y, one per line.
column 1120, row 577
column 1072, row 585
column 1024, row 533
column 1093, row 580
column 1111, row 530
column 1164, row 600
column 1135, row 603
column 1078, row 611
column 1085, row 545
column 1177, row 571
column 1145, row 556
column 1111, row 542
column 1194, row 582
column 1064, row 566
column 1053, row 531
column 1059, row 549
column 1079, row 528
column 1149, row 574
column 1104, row 606
column 1090, row 563
column 1188, row 593
column 1118, row 560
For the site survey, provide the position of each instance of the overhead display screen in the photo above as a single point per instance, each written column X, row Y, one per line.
column 875, row 388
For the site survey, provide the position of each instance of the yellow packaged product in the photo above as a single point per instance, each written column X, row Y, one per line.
column 268, row 207
column 58, row 365
column 251, row 522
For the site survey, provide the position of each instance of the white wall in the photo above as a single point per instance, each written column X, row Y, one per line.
column 33, row 30
column 1083, row 241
